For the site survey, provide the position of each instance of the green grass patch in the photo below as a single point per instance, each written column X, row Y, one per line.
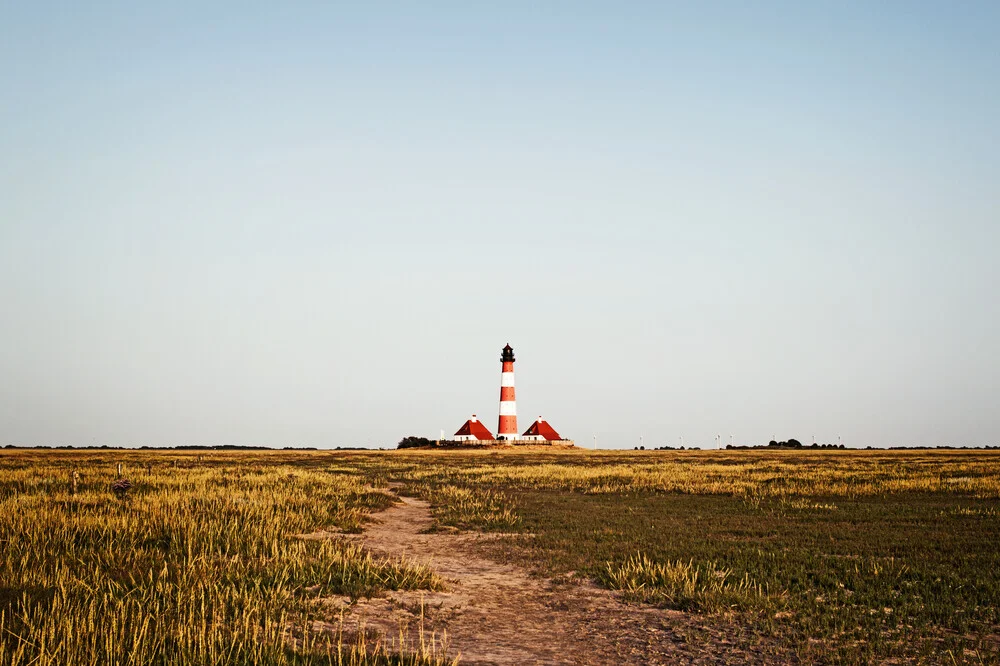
column 843, row 557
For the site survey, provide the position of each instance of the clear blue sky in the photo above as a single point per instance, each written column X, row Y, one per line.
column 317, row 224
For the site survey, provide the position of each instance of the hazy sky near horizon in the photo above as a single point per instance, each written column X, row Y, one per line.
column 318, row 223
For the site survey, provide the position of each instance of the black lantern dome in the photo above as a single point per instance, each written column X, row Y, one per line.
column 507, row 354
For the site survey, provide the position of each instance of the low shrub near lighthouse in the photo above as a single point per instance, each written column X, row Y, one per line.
column 414, row 442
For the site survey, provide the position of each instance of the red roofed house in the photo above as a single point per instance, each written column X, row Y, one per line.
column 473, row 431
column 540, row 431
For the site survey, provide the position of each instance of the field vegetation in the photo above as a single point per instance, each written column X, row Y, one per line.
column 196, row 563
column 823, row 556
column 837, row 556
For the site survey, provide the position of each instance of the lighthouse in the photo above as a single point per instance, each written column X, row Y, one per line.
column 508, row 408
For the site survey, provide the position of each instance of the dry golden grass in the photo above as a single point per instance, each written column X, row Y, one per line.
column 803, row 473
column 196, row 564
column 860, row 555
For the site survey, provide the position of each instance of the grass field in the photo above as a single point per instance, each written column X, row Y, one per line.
column 832, row 556
column 196, row 564
column 844, row 557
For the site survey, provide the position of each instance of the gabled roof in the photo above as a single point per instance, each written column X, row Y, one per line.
column 542, row 428
column 475, row 428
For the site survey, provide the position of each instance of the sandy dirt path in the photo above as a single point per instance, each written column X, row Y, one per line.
column 499, row 614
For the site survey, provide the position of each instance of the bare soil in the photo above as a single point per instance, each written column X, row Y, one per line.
column 494, row 613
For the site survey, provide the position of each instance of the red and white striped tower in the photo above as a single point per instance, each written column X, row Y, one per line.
column 508, row 408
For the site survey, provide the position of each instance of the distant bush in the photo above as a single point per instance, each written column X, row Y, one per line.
column 121, row 487
column 413, row 442
column 790, row 444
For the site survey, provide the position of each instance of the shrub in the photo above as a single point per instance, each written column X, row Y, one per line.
column 413, row 442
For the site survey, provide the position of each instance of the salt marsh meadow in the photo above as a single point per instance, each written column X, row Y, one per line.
column 213, row 556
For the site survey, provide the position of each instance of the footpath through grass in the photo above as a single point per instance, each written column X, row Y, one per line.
column 842, row 557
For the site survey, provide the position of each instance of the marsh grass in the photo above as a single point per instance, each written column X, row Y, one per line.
column 844, row 557
column 841, row 557
column 687, row 586
column 198, row 564
column 484, row 509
